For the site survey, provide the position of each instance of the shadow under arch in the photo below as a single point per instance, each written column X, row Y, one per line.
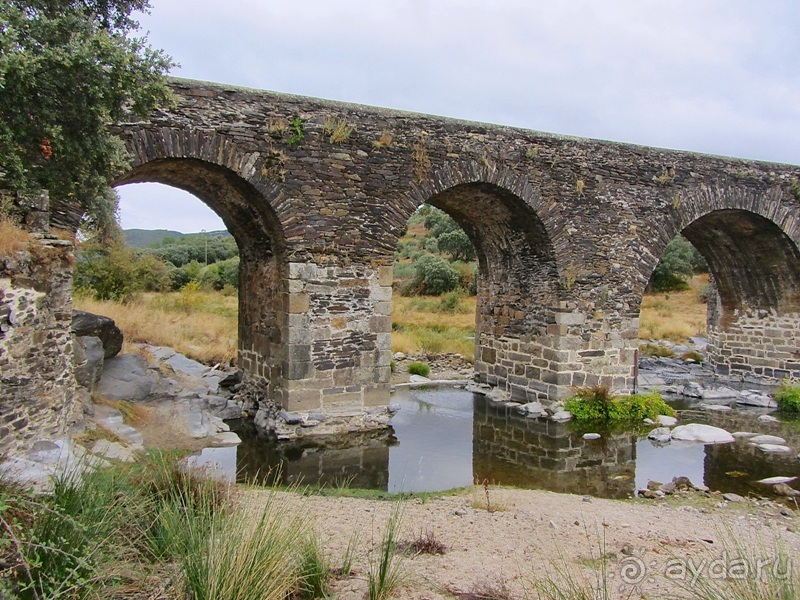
column 260, row 238
column 754, row 302
column 517, row 287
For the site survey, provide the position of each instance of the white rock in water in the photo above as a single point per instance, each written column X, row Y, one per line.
column 776, row 448
column 666, row 421
column 751, row 398
column 531, row 408
column 777, row 479
column 707, row 434
column 767, row 439
column 591, row 436
column 418, row 379
column 768, row 419
column 744, row 434
column 662, row 435
column 561, row 416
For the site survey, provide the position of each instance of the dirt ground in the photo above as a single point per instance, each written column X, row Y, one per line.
column 648, row 548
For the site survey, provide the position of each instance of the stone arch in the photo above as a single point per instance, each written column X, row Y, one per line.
column 518, row 274
column 751, row 241
column 230, row 183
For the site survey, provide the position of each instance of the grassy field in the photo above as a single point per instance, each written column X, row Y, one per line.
column 674, row 316
column 203, row 325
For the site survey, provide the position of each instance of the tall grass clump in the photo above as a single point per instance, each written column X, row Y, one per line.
column 248, row 556
column 752, row 569
column 314, row 570
column 788, row 397
column 54, row 547
column 386, row 571
column 110, row 528
column 598, row 405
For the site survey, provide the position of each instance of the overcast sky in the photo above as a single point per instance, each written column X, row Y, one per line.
column 714, row 76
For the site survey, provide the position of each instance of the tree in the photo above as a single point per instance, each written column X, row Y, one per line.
column 679, row 261
column 433, row 276
column 69, row 69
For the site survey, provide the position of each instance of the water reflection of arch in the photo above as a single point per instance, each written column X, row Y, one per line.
column 511, row 449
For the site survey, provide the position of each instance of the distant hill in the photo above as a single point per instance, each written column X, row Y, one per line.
column 144, row 238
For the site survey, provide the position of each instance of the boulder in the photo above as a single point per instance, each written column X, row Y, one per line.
column 753, row 398
column 88, row 324
column 532, row 409
column 88, row 354
column 785, row 490
column 767, row 439
column 662, row 435
column 561, row 416
column 773, row 448
column 125, row 377
column 666, row 421
column 697, row 432
column 768, row 419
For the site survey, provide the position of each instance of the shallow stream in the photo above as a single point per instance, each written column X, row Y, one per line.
column 444, row 438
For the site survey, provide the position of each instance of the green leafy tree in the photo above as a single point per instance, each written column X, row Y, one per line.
column 116, row 272
column 433, row 276
column 457, row 244
column 678, row 263
column 69, row 69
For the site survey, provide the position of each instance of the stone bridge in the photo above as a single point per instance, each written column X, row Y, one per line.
column 567, row 233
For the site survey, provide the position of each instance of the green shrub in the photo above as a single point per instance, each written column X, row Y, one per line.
column 433, row 276
column 788, row 397
column 599, row 405
column 419, row 368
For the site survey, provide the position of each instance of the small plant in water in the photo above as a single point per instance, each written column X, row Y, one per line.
column 788, row 397
column 419, row 368
column 598, row 405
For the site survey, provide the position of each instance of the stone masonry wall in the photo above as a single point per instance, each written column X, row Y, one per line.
column 37, row 383
column 567, row 233
column 752, row 341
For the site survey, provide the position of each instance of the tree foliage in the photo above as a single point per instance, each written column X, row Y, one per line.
column 679, row 261
column 433, row 276
column 69, row 69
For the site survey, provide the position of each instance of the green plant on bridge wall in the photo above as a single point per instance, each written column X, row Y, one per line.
column 296, row 131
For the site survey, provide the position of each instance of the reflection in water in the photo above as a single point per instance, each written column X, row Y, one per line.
column 356, row 460
column 444, row 438
column 510, row 449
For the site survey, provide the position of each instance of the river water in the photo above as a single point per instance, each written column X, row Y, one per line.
column 444, row 438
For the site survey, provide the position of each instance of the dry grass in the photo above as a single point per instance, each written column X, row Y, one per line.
column 674, row 316
column 12, row 238
column 419, row 325
column 202, row 326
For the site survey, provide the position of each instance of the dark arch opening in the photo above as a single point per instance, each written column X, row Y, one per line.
column 240, row 206
column 517, row 272
column 755, row 265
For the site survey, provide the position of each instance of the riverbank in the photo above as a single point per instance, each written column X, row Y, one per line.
column 636, row 548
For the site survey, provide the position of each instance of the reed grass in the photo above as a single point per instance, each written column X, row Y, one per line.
column 387, row 571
